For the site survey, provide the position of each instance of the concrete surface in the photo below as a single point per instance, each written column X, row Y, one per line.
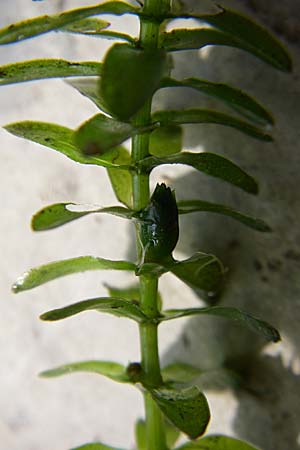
column 37, row 414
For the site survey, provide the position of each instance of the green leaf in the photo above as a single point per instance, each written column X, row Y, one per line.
column 251, row 37
column 187, row 409
column 43, row 24
column 101, row 133
column 165, row 141
column 95, row 27
column 234, row 30
column 217, row 442
column 209, row 163
column 190, row 116
column 180, row 373
column 254, row 324
column 38, row 69
column 190, row 206
column 95, row 446
column 232, row 97
column 140, row 435
column 121, row 180
column 130, row 293
column 200, row 272
column 112, row 370
column 48, row 272
column 129, row 77
column 61, row 139
column 58, row 214
column 115, row 306
column 89, row 88
column 172, row 434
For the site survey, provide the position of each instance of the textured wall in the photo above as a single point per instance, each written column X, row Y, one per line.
column 263, row 275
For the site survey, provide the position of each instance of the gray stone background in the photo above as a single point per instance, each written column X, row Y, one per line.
column 263, row 275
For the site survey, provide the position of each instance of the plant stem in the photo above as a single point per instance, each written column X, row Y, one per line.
column 155, row 434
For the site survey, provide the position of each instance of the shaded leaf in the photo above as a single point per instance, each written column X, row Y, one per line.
column 115, row 306
column 190, row 206
column 217, row 442
column 61, row 139
column 48, row 272
column 200, row 272
column 39, row 25
column 95, row 27
column 172, row 434
column 207, row 116
column 38, row 69
column 129, row 78
column 187, row 409
column 130, row 293
column 209, row 163
column 112, row 370
column 95, row 446
column 234, row 98
column 165, row 141
column 121, row 180
column 101, row 133
column 257, row 325
column 180, row 373
column 89, row 88
column 252, row 37
column 58, row 214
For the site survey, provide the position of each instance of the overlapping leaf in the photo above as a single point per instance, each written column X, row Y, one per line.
column 95, row 446
column 187, row 409
column 101, row 133
column 129, row 78
column 209, row 163
column 195, row 116
column 58, row 214
column 109, row 369
column 172, row 434
column 200, row 272
column 121, row 180
column 89, row 88
column 60, row 139
column 217, row 442
column 115, row 306
column 38, row 69
column 190, row 206
column 232, row 97
column 48, row 272
column 43, row 24
column 233, row 29
column 165, row 141
column 257, row 325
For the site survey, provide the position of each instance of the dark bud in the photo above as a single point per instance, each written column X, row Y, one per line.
column 135, row 372
column 159, row 225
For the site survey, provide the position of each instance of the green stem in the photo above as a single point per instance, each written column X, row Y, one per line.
column 155, row 433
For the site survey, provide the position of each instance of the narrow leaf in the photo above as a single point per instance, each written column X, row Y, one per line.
column 115, row 306
column 95, row 446
column 209, row 163
column 187, row 409
column 95, row 27
column 101, row 133
column 180, row 373
column 207, row 116
column 43, row 24
column 217, row 442
column 38, row 69
column 232, row 97
column 130, row 293
column 129, row 77
column 58, row 214
column 165, row 141
column 250, row 36
column 48, row 272
column 61, row 139
column 190, row 206
column 112, row 370
column 257, row 325
column 201, row 272
column 121, row 180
